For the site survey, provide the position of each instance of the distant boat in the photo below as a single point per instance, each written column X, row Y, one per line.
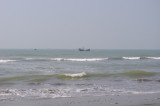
column 82, row 49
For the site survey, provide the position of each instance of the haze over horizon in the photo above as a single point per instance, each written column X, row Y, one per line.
column 71, row 24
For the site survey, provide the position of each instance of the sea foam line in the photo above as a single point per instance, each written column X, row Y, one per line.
column 78, row 59
column 156, row 58
column 41, row 93
column 5, row 61
column 85, row 59
column 131, row 58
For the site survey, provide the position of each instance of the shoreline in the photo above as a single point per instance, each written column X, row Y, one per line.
column 107, row 100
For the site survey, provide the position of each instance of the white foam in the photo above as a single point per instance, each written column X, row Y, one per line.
column 78, row 59
column 57, row 59
column 29, row 58
column 131, row 58
column 156, row 58
column 5, row 61
column 143, row 92
column 76, row 75
column 39, row 93
column 91, row 59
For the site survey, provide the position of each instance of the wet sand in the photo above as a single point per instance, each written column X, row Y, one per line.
column 108, row 100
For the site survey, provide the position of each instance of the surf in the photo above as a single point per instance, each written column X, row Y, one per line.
column 131, row 58
column 155, row 58
column 75, row 75
column 6, row 61
column 78, row 59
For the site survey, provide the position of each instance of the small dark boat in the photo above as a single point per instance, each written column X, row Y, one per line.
column 82, row 49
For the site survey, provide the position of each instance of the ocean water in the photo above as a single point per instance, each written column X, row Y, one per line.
column 38, row 74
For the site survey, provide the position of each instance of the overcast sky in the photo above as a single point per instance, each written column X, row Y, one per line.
column 70, row 24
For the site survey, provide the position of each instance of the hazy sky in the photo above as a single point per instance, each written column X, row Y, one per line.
column 70, row 24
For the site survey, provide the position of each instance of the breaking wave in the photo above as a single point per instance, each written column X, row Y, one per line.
column 78, row 59
column 137, row 58
column 131, row 58
column 132, row 74
column 71, row 76
column 6, row 61
column 42, row 78
column 90, row 59
column 67, row 59
column 156, row 58
column 76, row 75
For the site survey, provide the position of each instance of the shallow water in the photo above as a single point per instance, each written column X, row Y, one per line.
column 68, row 73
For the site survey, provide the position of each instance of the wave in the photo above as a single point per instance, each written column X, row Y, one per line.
column 131, row 58
column 131, row 74
column 137, row 58
column 43, row 78
column 76, row 75
column 29, row 78
column 81, row 75
column 156, row 58
column 81, row 59
column 66, row 59
column 78, row 59
column 138, row 74
column 6, row 61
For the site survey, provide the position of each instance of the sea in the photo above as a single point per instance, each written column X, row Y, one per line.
column 51, row 73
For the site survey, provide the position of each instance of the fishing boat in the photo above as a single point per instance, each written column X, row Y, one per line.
column 82, row 49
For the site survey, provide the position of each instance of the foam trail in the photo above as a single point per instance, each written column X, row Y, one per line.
column 131, row 58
